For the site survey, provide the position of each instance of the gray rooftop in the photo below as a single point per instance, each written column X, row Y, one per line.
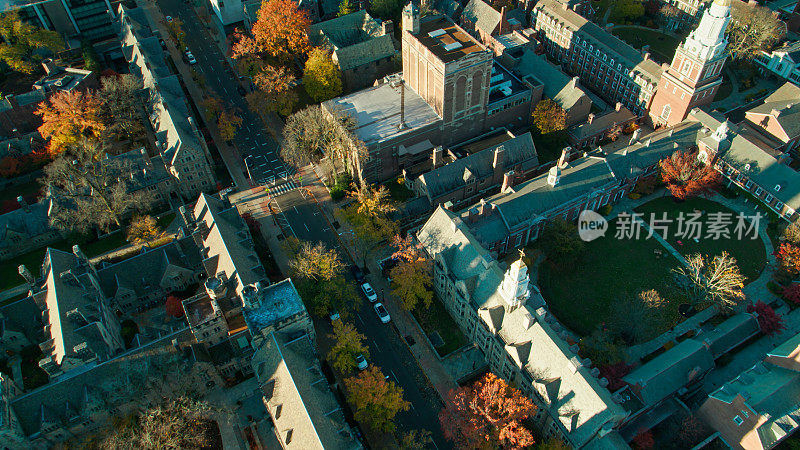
column 784, row 106
column 636, row 158
column 601, row 123
column 268, row 305
column 29, row 221
column 558, row 86
column 377, row 112
column 483, row 15
column 356, row 39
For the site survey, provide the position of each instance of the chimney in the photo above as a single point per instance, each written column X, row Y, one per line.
column 618, row 106
column 503, row 21
column 50, row 66
column 775, row 112
column 564, row 159
column 637, row 133
column 482, row 208
column 26, row 274
column 437, row 156
column 387, row 27
column 23, row 204
column 573, row 83
column 646, row 56
column 590, row 118
column 499, row 158
column 448, row 205
column 508, row 180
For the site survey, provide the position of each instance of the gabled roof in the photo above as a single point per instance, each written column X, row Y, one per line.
column 784, row 107
column 355, row 39
column 29, row 220
column 483, row 15
column 557, row 85
column 447, row 178
column 635, row 159
column 366, row 52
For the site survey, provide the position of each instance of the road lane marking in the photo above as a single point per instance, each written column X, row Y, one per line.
column 360, row 319
column 374, row 342
column 306, row 227
column 394, row 376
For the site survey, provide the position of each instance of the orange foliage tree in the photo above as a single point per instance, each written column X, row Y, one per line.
column 686, row 176
column 488, row 412
column 69, row 115
column 281, row 29
column 788, row 256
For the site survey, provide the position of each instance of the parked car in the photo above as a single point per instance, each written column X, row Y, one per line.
column 361, row 362
column 358, row 274
column 334, row 315
column 190, row 57
column 369, row 292
column 382, row 313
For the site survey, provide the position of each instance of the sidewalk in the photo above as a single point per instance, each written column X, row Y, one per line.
column 406, row 325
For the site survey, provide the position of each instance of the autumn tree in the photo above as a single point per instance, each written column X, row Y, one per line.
column 376, row 400
column 561, row 243
column 20, row 41
column 228, row 124
column 791, row 293
column 627, row 10
column 174, row 306
column 752, row 29
column 716, row 281
column 347, row 344
column 274, row 91
column 347, row 7
column 614, row 374
column 549, row 117
column 788, row 257
column 212, row 106
column 314, row 133
column 643, row 440
column 175, row 30
column 178, row 423
column 143, row 230
column 791, row 233
column 68, row 116
column 412, row 277
column 321, row 77
column 316, row 262
column 120, row 107
column 89, row 190
column 369, row 217
column 686, row 176
column 415, row 440
column 489, row 413
column 769, row 321
column 281, row 30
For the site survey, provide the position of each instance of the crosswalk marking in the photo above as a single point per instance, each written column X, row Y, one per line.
column 283, row 188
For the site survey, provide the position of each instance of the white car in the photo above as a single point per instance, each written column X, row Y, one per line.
column 361, row 362
column 369, row 292
column 382, row 313
column 190, row 58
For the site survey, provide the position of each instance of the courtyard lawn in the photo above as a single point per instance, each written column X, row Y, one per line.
column 749, row 253
column 662, row 46
column 437, row 319
column 582, row 296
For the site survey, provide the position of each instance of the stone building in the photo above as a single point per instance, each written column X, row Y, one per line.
column 75, row 19
column 598, row 127
column 362, row 47
column 695, row 75
column 26, row 228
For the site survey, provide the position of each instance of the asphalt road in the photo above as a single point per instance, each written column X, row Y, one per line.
column 386, row 347
column 257, row 148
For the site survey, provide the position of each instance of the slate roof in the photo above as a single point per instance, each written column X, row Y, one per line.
column 792, row 50
column 143, row 272
column 290, row 376
column 786, row 101
column 558, row 86
column 574, row 397
column 30, row 220
column 482, row 15
column 613, row 45
column 356, row 39
column 447, row 178
column 670, row 371
column 601, row 123
column 635, row 159
column 730, row 333
column 23, row 316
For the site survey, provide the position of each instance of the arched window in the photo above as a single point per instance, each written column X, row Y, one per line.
column 686, row 66
column 665, row 112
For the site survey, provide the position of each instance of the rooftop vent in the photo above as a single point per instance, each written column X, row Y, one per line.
column 437, row 33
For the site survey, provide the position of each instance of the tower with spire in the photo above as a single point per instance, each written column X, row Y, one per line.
column 695, row 74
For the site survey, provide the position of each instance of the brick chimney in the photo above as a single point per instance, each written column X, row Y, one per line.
column 437, row 156
column 503, row 23
column 499, row 158
column 387, row 27
column 618, row 106
column 564, row 159
column 508, row 180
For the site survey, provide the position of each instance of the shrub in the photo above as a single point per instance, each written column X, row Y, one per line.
column 769, row 321
column 337, row 193
column 605, row 210
column 791, row 293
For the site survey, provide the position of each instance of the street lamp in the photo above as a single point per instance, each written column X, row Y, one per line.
column 247, row 166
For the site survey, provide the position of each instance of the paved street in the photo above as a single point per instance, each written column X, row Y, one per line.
column 256, row 147
column 386, row 347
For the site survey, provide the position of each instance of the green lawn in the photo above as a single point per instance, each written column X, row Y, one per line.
column 662, row 46
column 749, row 252
column 725, row 89
column 582, row 295
column 436, row 318
column 398, row 192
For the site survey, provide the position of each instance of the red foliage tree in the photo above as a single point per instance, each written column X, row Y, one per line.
column 614, row 373
column 174, row 306
column 686, row 176
column 488, row 412
column 788, row 256
column 769, row 321
column 9, row 166
column 281, row 29
column 644, row 440
column 791, row 293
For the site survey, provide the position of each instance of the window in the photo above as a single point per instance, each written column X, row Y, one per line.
column 738, row 420
column 665, row 112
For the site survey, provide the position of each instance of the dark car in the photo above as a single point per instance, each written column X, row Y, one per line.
column 357, row 274
column 241, row 90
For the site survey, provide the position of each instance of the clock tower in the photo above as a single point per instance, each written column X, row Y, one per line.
column 695, row 74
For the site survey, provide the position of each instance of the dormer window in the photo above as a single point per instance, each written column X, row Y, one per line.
column 747, row 166
column 777, row 187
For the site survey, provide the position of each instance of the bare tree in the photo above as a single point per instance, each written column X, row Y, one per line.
column 89, row 189
column 752, row 29
column 716, row 281
column 316, row 262
column 313, row 133
column 175, row 424
column 121, row 106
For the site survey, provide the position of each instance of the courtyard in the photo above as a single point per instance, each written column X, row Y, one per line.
column 662, row 46
column 587, row 294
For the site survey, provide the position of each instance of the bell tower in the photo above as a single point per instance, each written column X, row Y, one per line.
column 695, row 74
